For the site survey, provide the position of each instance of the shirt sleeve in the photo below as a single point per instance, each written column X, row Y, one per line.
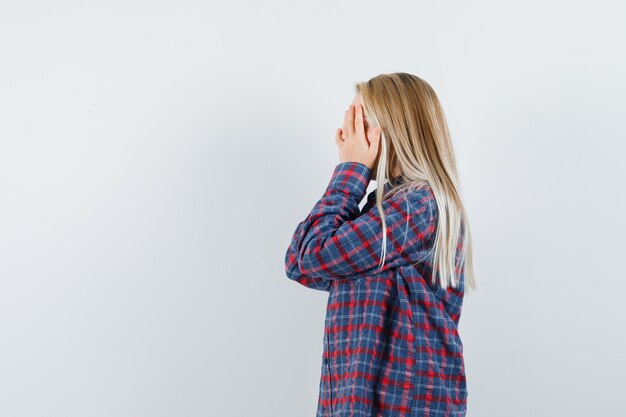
column 337, row 242
column 293, row 271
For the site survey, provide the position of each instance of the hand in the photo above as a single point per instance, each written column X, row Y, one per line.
column 353, row 142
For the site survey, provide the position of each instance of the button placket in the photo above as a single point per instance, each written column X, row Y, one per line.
column 328, row 370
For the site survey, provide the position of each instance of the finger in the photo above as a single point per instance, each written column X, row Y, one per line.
column 375, row 142
column 338, row 139
column 345, row 124
column 360, row 128
column 351, row 130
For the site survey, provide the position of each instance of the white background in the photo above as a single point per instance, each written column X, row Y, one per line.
column 156, row 156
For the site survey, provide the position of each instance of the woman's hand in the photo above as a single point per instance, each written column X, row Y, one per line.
column 353, row 142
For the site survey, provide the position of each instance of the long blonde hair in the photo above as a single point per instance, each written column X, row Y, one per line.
column 415, row 138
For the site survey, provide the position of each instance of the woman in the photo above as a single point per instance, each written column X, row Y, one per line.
column 395, row 270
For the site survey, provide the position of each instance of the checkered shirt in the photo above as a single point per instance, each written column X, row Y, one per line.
column 391, row 341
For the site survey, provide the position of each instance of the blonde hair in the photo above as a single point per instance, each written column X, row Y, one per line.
column 415, row 138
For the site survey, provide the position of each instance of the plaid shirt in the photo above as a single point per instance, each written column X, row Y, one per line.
column 391, row 345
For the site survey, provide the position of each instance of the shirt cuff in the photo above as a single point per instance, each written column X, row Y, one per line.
column 351, row 176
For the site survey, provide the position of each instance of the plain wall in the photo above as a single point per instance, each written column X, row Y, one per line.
column 156, row 157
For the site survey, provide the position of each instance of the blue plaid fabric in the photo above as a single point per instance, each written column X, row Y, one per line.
column 391, row 341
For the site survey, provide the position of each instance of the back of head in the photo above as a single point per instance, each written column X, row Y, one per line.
column 415, row 138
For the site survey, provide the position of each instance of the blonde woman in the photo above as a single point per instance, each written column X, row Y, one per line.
column 396, row 270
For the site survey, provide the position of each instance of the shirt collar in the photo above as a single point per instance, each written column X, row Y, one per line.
column 392, row 182
column 388, row 186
